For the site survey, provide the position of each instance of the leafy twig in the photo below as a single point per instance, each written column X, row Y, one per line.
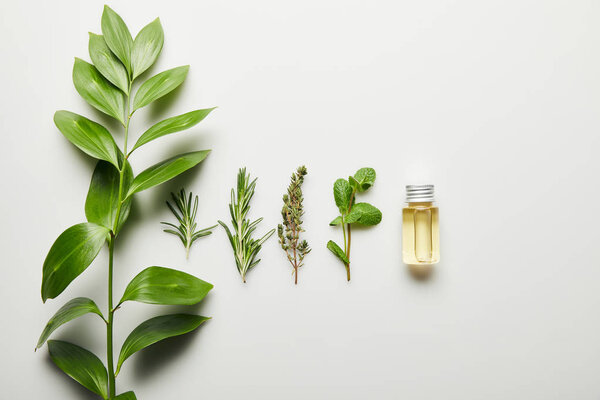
column 289, row 231
column 344, row 192
column 186, row 215
column 245, row 248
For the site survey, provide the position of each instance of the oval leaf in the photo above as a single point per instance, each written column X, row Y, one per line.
column 103, row 196
column 342, row 192
column 97, row 91
column 70, row 255
column 364, row 178
column 106, row 62
column 146, row 47
column 364, row 214
column 172, row 125
column 159, row 85
column 89, row 136
column 117, row 36
column 155, row 330
column 337, row 250
column 126, row 396
column 159, row 285
column 165, row 170
column 75, row 308
column 81, row 365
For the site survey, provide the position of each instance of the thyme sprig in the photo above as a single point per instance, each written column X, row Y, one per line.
column 186, row 215
column 245, row 248
column 289, row 231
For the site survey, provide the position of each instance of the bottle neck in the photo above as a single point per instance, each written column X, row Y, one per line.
column 420, row 204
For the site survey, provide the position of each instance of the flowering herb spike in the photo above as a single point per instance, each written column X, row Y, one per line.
column 344, row 192
column 245, row 247
column 289, row 231
column 185, row 212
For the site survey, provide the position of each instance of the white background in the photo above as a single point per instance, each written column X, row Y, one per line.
column 495, row 102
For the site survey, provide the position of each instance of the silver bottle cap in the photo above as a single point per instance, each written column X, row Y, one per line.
column 419, row 193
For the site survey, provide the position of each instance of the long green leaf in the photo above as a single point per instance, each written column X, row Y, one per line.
column 117, row 36
column 172, row 125
column 97, row 91
column 70, row 255
column 146, row 47
column 106, row 62
column 75, row 308
column 165, row 170
column 337, row 250
column 126, row 396
column 103, row 196
column 81, row 365
column 155, row 330
column 159, row 285
column 89, row 136
column 159, row 85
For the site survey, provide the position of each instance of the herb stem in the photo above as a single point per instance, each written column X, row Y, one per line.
column 109, row 325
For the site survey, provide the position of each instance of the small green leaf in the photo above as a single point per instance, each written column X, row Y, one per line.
column 165, row 170
column 336, row 221
column 103, row 196
column 159, row 85
column 159, row 285
column 354, row 183
column 70, row 255
column 106, row 62
column 89, row 136
column 172, row 125
column 365, row 177
column 342, row 192
column 117, row 36
column 146, row 47
column 81, row 365
column 155, row 330
column 364, row 214
column 337, row 250
column 97, row 91
column 126, row 396
column 75, row 308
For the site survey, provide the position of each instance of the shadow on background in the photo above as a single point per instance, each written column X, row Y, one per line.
column 422, row 273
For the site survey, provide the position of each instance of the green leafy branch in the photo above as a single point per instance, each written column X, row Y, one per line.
column 245, row 247
column 289, row 230
column 344, row 192
column 186, row 215
column 118, row 60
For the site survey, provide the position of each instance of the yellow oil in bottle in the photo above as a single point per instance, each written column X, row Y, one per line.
column 420, row 227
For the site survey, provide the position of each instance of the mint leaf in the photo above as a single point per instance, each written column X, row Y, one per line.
column 336, row 221
column 365, row 177
column 342, row 192
column 364, row 214
column 337, row 250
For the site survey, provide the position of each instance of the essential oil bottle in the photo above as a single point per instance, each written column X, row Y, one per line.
column 420, row 227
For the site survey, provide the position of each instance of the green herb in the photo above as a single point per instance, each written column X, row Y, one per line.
column 289, row 231
column 107, row 85
column 186, row 215
column 344, row 192
column 245, row 248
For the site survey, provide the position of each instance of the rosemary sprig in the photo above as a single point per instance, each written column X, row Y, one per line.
column 245, row 248
column 186, row 215
column 289, row 231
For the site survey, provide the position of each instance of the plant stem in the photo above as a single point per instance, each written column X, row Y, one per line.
column 109, row 324
column 348, row 253
column 111, row 249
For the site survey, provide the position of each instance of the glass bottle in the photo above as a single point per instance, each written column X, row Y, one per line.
column 420, row 227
